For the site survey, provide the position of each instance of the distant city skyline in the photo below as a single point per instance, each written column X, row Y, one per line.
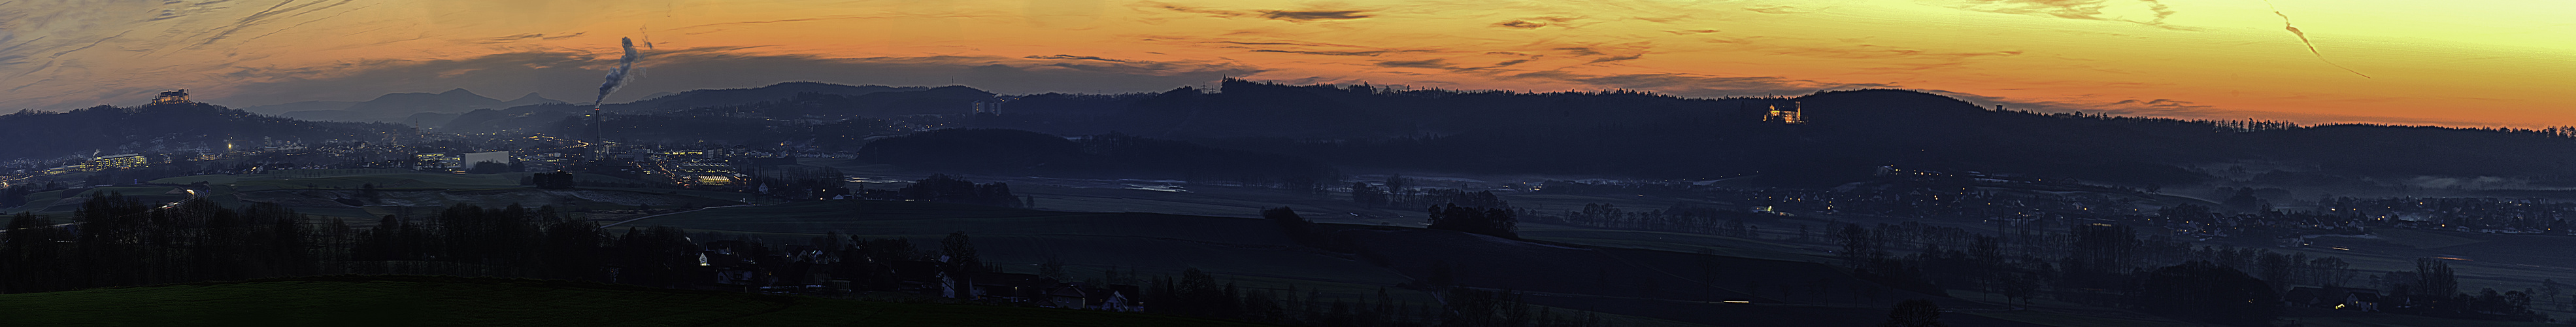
column 2401, row 62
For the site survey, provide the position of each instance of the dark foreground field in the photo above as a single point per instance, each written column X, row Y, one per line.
column 450, row 301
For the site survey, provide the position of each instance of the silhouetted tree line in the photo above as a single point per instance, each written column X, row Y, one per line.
column 2111, row 265
column 944, row 188
column 997, row 151
column 1399, row 191
column 798, row 182
column 2202, row 291
column 2432, row 290
column 16, row 195
column 114, row 240
column 1499, row 221
column 553, row 180
column 564, row 180
column 512, row 241
column 1680, row 217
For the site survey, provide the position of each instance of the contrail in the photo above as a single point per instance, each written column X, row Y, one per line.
column 617, row 77
column 2303, row 39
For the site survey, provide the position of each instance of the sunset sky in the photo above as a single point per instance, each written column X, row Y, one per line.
column 2461, row 63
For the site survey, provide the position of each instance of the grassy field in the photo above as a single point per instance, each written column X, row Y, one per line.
column 447, row 301
column 1017, row 240
column 321, row 193
column 1663, row 284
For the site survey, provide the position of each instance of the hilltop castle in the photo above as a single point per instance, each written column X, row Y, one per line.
column 171, row 97
column 1785, row 115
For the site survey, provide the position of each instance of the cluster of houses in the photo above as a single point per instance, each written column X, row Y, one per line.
column 734, row 265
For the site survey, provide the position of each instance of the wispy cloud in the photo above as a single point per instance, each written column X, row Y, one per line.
column 2143, row 12
column 713, row 27
column 1777, row 9
column 533, row 36
column 1300, row 15
column 1307, row 15
column 1074, row 57
column 1426, row 63
column 1369, row 53
column 1537, row 22
column 1520, row 24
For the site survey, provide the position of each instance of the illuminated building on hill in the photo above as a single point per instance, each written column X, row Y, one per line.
column 1790, row 114
column 171, row 97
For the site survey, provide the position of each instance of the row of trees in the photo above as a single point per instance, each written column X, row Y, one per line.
column 115, row 240
column 1499, row 222
column 1680, row 217
column 2111, row 266
column 1198, row 294
column 944, row 188
column 1398, row 192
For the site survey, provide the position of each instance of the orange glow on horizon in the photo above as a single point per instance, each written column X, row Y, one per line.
column 2498, row 64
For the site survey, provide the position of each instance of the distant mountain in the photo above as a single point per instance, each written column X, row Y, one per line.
column 282, row 108
column 791, row 99
column 162, row 128
column 658, row 95
column 520, row 119
column 397, row 107
column 1844, row 135
column 531, row 98
column 455, row 100
column 726, row 97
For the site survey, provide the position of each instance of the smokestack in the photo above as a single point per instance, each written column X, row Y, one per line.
column 616, row 78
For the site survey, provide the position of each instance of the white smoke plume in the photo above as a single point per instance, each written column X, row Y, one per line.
column 617, row 77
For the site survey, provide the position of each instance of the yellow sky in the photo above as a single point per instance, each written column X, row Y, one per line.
column 2484, row 63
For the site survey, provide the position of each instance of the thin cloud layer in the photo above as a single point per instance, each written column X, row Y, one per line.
column 1285, row 15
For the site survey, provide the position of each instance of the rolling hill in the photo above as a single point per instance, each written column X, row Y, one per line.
column 164, row 128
